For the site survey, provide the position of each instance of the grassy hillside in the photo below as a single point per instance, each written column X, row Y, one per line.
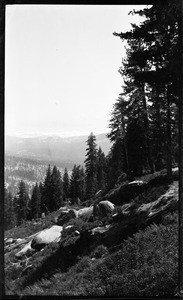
column 145, row 264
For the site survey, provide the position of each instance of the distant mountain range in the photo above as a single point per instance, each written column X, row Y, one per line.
column 53, row 148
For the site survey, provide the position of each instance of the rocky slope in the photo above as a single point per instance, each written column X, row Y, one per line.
column 63, row 236
column 123, row 221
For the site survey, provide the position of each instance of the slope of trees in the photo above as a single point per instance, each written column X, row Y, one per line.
column 56, row 191
column 144, row 118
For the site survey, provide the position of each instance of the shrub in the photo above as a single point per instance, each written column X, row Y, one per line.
column 100, row 251
column 170, row 218
column 84, row 263
column 146, row 265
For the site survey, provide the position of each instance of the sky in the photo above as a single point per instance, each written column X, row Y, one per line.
column 61, row 67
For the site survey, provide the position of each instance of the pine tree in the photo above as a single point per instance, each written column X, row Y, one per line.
column 115, row 162
column 20, row 203
column 47, row 192
column 9, row 219
column 136, row 144
column 91, row 166
column 41, row 195
column 101, row 170
column 118, row 159
column 66, row 184
column 75, row 184
column 57, row 190
column 35, row 203
column 152, row 63
column 82, row 185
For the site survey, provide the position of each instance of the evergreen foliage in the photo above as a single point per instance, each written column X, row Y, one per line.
column 57, row 189
column 77, row 184
column 144, row 116
column 52, row 190
column 66, row 184
column 47, row 191
column 101, row 170
column 91, row 166
column 9, row 217
column 21, row 201
column 35, row 202
column 82, row 184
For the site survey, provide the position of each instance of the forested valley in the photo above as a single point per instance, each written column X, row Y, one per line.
column 117, row 213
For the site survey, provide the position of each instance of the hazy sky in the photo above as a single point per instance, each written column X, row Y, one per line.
column 61, row 67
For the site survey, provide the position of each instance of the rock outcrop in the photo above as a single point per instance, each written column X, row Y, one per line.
column 26, row 251
column 125, row 221
column 27, row 246
column 46, row 236
column 85, row 213
column 132, row 217
column 126, row 192
column 103, row 209
column 65, row 216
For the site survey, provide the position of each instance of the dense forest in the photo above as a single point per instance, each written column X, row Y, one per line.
column 56, row 190
column 30, row 170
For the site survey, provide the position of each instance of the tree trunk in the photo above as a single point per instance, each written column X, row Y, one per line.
column 158, row 134
column 125, row 146
column 169, row 143
column 146, row 124
column 180, row 45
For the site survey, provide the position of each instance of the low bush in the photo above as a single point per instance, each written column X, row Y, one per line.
column 99, row 252
column 170, row 218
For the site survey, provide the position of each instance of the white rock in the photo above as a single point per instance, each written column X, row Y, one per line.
column 107, row 205
column 64, row 208
column 9, row 241
column 100, row 229
column 19, row 240
column 137, row 182
column 69, row 226
column 27, row 250
column 47, row 236
column 85, row 212
column 77, row 232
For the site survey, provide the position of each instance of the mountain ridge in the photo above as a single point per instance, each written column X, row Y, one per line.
column 53, row 147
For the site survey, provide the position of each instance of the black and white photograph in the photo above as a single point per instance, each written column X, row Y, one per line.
column 91, row 150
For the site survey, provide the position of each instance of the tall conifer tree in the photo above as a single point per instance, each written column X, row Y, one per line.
column 74, row 184
column 91, row 166
column 101, row 170
column 21, row 203
column 66, row 184
column 57, row 190
column 35, row 202
column 47, row 191
column 9, row 219
column 152, row 66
